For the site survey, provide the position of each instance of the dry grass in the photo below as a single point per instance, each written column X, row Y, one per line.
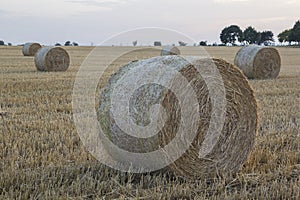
column 42, row 157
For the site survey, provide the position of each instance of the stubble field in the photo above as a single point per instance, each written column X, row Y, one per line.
column 42, row 157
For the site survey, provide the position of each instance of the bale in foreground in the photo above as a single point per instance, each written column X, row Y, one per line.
column 236, row 136
column 170, row 50
column 52, row 59
column 258, row 62
column 30, row 49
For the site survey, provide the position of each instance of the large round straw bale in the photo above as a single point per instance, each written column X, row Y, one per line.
column 30, row 49
column 240, row 119
column 258, row 62
column 170, row 50
column 52, row 59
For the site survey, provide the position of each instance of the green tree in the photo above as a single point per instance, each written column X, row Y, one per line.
column 134, row 43
column 284, row 36
column 266, row 36
column 2, row 42
column 251, row 35
column 157, row 43
column 181, row 43
column 67, row 43
column 295, row 33
column 231, row 34
column 203, row 43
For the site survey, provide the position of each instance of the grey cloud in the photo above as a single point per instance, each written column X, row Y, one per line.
column 3, row 12
column 99, row 3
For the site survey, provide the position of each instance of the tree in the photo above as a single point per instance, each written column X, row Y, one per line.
column 231, row 34
column 295, row 33
column 251, row 35
column 9, row 44
column 2, row 42
column 67, row 43
column 57, row 44
column 203, row 43
column 134, row 43
column 75, row 44
column 266, row 36
column 284, row 36
column 157, row 43
column 181, row 43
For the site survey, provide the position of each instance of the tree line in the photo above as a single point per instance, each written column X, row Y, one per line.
column 290, row 35
column 233, row 34
column 67, row 43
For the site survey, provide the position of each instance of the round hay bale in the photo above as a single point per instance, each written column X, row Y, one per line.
column 30, row 49
column 258, row 62
column 236, row 137
column 52, row 59
column 170, row 50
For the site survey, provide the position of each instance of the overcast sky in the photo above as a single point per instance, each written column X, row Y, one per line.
column 87, row 21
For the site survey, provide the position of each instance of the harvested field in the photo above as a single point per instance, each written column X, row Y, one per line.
column 42, row 156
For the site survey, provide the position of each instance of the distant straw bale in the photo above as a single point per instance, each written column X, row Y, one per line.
column 170, row 50
column 258, row 62
column 30, row 49
column 52, row 59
